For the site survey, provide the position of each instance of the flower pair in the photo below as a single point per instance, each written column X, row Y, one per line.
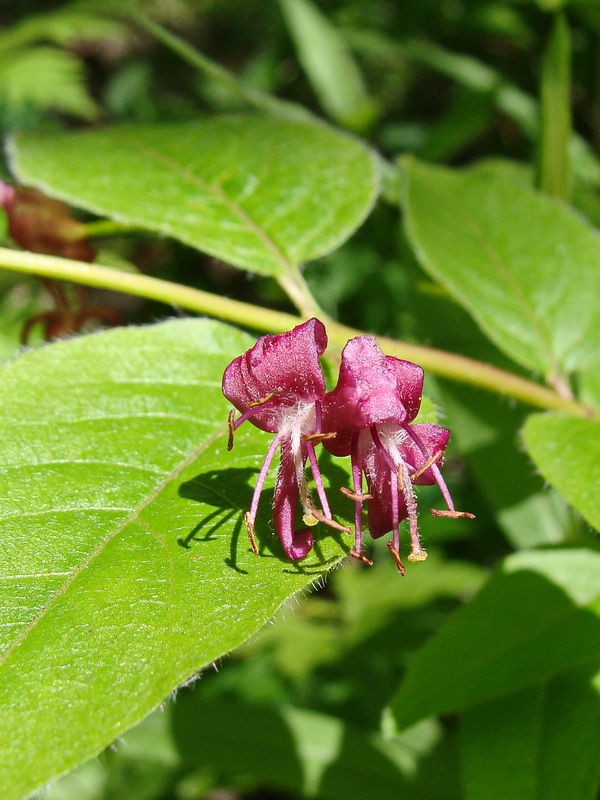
column 278, row 385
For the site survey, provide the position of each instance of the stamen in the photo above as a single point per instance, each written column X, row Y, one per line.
column 231, row 424
column 250, row 529
column 358, row 492
column 429, row 463
column 314, row 466
column 328, row 521
column 318, row 437
column 417, row 553
column 400, row 476
column 396, row 518
column 264, row 399
column 361, row 557
column 359, row 498
column 397, row 559
column 260, row 482
column 452, row 513
column 394, row 470
column 252, row 409
column 381, row 448
column 434, row 467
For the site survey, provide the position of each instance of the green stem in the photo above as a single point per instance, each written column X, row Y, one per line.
column 294, row 285
column 106, row 227
column 448, row 365
column 253, row 97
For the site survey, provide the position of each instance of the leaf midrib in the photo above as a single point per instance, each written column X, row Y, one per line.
column 216, row 191
column 497, row 258
column 134, row 514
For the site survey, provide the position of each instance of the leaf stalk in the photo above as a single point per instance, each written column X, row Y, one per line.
column 447, row 365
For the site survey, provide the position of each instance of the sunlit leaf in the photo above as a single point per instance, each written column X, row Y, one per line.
column 261, row 193
column 566, row 450
column 46, row 77
column 124, row 563
column 524, row 266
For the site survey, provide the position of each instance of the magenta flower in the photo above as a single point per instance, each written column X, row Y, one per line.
column 278, row 385
column 371, row 411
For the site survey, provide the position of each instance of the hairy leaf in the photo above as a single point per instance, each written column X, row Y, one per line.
column 261, row 193
column 124, row 564
column 566, row 450
column 524, row 266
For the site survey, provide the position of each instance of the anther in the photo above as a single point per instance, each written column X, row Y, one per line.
column 318, row 515
column 250, row 529
column 429, row 463
column 264, row 399
column 310, row 519
column 318, row 437
column 451, row 513
column 397, row 559
column 361, row 557
column 359, row 498
column 400, row 475
column 231, row 424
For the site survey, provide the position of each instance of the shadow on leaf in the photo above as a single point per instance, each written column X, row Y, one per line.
column 230, row 491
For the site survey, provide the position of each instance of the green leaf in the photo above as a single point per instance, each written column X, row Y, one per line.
column 566, row 450
column 499, row 742
column 553, row 167
column 540, row 743
column 46, row 77
column 66, row 26
column 312, row 754
column 487, row 431
column 261, row 193
column 329, row 64
column 524, row 266
column 125, row 567
column 535, row 618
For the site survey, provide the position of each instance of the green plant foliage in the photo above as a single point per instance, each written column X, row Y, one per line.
column 126, row 567
column 566, row 451
column 64, row 26
column 524, row 266
column 487, row 431
column 187, row 136
column 45, row 77
column 35, row 72
column 260, row 193
column 328, row 62
column 535, row 618
column 553, row 161
column 302, row 751
column 540, row 743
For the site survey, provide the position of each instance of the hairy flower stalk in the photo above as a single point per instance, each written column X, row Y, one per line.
column 278, row 386
column 371, row 413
